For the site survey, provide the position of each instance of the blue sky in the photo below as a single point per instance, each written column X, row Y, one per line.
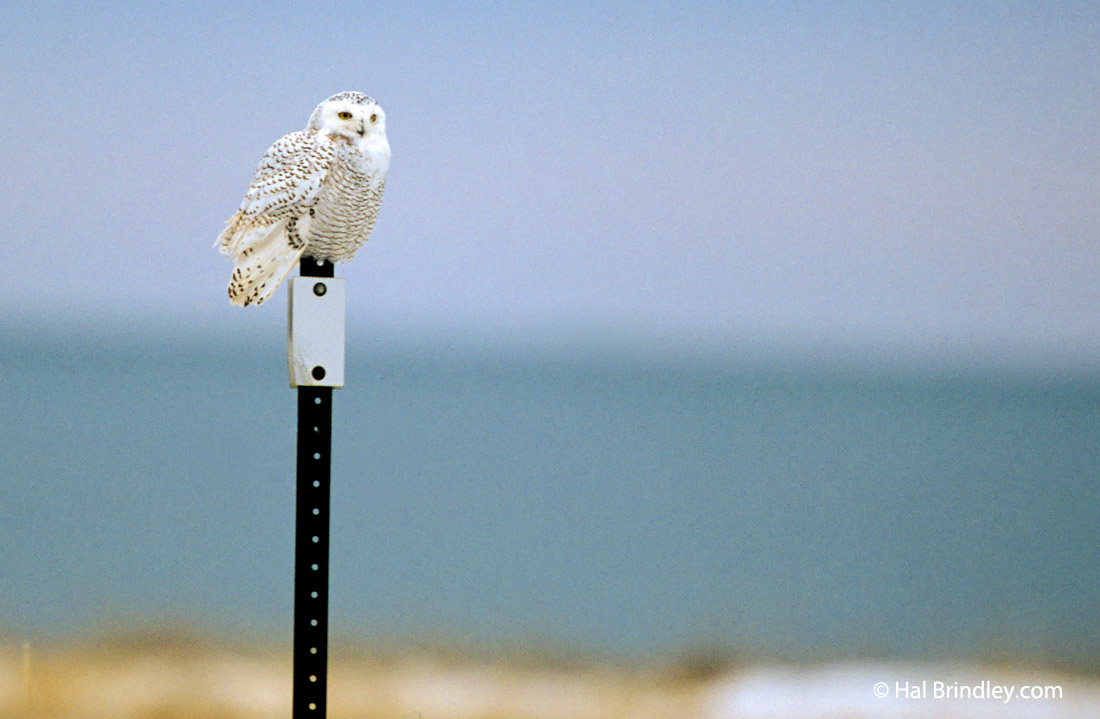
column 874, row 177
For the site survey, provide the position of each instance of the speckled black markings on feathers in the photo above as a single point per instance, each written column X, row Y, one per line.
column 357, row 97
column 288, row 173
column 292, row 237
column 346, row 210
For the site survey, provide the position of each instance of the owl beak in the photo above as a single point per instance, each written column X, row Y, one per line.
column 362, row 129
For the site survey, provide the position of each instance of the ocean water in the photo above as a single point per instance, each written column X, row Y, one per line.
column 603, row 504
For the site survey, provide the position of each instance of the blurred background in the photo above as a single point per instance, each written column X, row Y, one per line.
column 767, row 332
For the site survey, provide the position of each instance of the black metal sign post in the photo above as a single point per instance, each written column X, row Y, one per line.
column 315, row 357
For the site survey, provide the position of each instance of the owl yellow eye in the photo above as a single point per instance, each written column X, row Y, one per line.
column 374, row 118
column 345, row 115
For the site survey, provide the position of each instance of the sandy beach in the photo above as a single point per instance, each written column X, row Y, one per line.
column 164, row 678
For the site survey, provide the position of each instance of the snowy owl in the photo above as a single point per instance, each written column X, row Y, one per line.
column 316, row 191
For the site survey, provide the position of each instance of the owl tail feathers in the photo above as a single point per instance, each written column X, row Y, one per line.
column 264, row 257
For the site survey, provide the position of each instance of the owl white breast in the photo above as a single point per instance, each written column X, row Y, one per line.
column 315, row 192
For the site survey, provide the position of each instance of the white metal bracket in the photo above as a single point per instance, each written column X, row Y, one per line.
column 315, row 331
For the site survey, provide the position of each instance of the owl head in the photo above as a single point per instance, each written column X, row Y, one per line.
column 351, row 115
